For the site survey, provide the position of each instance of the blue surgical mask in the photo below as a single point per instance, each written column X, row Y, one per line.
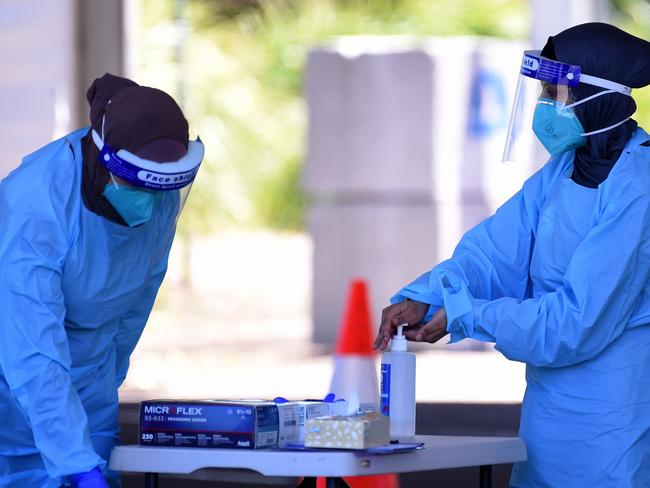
column 557, row 127
column 135, row 206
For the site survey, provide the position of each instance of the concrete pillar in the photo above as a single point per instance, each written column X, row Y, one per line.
column 101, row 44
column 404, row 149
column 38, row 86
column 50, row 51
column 368, row 170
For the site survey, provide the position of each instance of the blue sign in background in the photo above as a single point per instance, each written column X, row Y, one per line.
column 488, row 104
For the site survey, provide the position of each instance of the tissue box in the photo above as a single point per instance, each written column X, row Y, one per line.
column 354, row 432
column 209, row 423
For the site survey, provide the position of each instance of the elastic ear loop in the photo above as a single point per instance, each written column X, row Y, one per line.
column 113, row 180
column 596, row 95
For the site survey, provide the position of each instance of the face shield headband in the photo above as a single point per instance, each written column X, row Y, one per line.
column 557, row 73
column 149, row 174
column 548, row 118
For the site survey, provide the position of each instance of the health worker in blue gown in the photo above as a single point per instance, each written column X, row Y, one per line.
column 86, row 224
column 559, row 277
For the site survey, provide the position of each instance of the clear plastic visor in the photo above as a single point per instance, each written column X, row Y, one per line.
column 173, row 201
column 166, row 184
column 546, row 84
column 167, row 205
column 522, row 145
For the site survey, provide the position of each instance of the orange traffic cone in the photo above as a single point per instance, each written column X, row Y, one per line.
column 355, row 369
column 375, row 481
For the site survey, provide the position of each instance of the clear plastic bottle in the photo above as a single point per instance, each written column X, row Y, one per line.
column 398, row 388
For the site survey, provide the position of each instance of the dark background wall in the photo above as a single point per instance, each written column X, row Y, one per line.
column 432, row 419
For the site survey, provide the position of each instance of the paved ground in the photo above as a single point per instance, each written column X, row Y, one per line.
column 242, row 331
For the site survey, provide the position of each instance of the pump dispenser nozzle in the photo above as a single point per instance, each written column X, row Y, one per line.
column 398, row 342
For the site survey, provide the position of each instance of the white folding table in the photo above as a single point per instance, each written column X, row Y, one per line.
column 439, row 452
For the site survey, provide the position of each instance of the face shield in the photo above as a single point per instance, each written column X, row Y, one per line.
column 140, row 186
column 543, row 122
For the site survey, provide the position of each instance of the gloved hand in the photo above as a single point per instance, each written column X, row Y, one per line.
column 90, row 479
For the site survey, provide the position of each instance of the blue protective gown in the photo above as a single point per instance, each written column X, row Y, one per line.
column 559, row 278
column 75, row 293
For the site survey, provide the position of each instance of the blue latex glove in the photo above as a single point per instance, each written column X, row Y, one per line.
column 329, row 398
column 90, row 479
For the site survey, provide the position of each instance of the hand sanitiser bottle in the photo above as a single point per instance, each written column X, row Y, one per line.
column 398, row 388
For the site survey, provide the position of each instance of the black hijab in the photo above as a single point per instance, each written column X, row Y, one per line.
column 607, row 52
column 142, row 120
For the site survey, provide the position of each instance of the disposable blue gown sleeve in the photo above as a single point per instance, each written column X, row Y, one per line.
column 34, row 353
column 133, row 323
column 491, row 259
column 602, row 285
